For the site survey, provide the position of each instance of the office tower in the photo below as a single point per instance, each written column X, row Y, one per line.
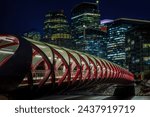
column 86, row 32
column 117, row 36
column 94, row 43
column 138, row 49
column 84, row 15
column 56, row 28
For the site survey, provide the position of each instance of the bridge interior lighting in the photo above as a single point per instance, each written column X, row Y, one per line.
column 82, row 62
column 60, row 50
column 7, row 49
column 38, row 56
column 49, row 57
column 6, row 52
column 41, row 46
column 59, row 59
column 91, row 65
column 6, row 39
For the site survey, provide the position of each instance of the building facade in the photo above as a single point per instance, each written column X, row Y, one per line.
column 85, row 22
column 138, row 49
column 56, row 28
column 35, row 35
column 116, row 43
column 117, row 39
column 94, row 43
column 84, row 15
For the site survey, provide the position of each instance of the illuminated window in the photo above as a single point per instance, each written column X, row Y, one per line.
column 132, row 42
column 146, row 58
column 146, row 45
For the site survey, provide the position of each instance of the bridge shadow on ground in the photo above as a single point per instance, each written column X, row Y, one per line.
column 108, row 91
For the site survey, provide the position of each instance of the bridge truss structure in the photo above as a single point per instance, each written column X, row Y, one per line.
column 25, row 62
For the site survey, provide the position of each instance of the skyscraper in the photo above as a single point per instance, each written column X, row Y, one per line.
column 94, row 44
column 138, row 49
column 56, row 27
column 117, row 36
column 116, row 43
column 84, row 15
column 85, row 22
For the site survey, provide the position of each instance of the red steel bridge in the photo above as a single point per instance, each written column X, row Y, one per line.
column 24, row 62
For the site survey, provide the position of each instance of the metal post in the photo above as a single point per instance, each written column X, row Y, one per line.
column 84, row 33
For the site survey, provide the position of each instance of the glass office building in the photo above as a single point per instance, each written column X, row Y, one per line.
column 94, row 44
column 116, row 43
column 56, row 26
column 84, row 15
column 138, row 49
column 85, row 23
column 117, row 37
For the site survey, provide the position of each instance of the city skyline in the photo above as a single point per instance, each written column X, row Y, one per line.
column 21, row 16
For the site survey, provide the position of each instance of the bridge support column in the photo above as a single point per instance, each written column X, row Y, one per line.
column 125, row 91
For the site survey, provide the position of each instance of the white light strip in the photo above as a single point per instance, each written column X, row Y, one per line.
column 6, row 39
column 49, row 57
column 38, row 56
column 6, row 52
column 60, row 50
column 40, row 46
column 7, row 49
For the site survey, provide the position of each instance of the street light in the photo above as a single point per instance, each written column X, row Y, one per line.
column 84, row 34
column 84, row 27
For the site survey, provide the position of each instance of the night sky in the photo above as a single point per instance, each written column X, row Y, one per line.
column 19, row 16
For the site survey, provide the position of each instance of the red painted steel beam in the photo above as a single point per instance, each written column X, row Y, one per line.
column 46, row 61
column 92, row 76
column 60, row 81
column 78, row 72
column 87, row 75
